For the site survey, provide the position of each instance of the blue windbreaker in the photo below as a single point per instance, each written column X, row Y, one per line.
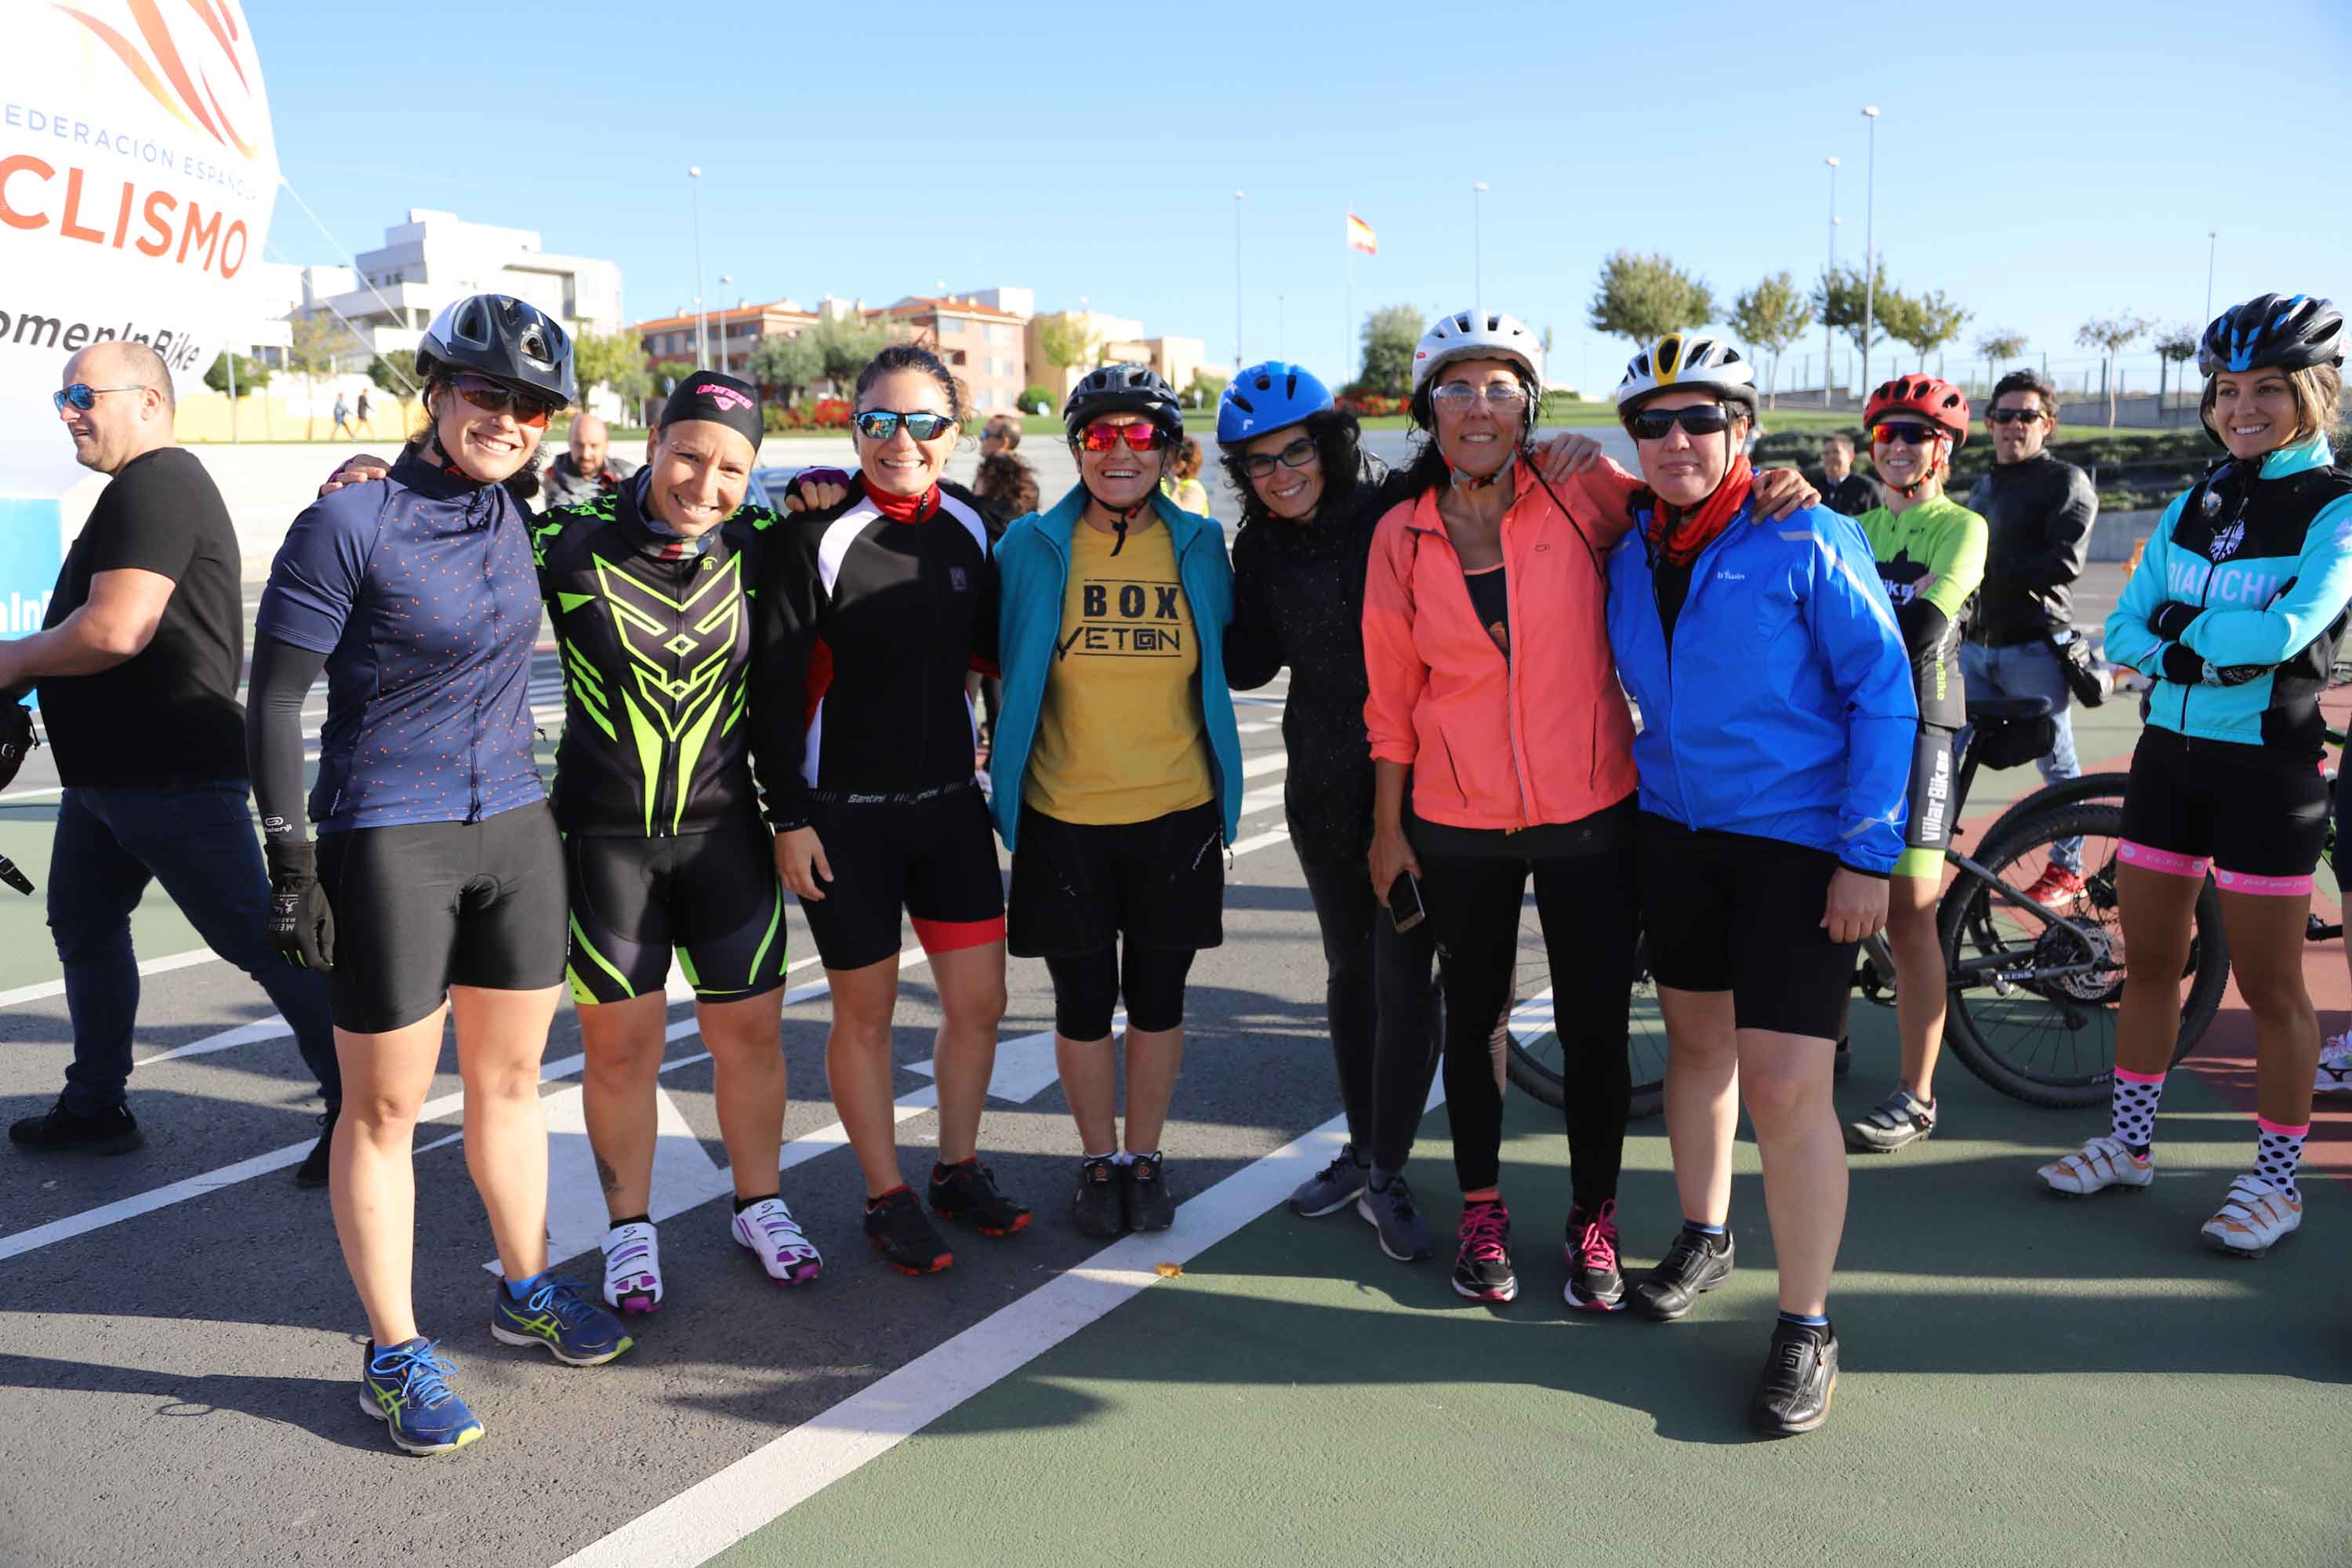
column 1784, row 709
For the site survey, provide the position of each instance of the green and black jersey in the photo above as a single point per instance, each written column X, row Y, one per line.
column 655, row 636
column 1932, row 561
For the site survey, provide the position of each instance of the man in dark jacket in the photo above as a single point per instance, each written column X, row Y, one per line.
column 587, row 469
column 1843, row 490
column 2038, row 513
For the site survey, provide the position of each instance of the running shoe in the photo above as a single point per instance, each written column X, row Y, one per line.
column 2057, row 890
column 2255, row 1216
column 312, row 1170
column 1098, row 1208
column 1800, row 1375
column 406, row 1387
column 2101, row 1163
column 967, row 1191
column 556, row 1317
column 1389, row 1208
column 633, row 1281
column 113, row 1130
column 768, row 1232
column 1901, row 1118
column 1481, row 1264
column 908, row 1242
column 1692, row 1267
column 2334, row 1066
column 1594, row 1283
column 1333, row 1187
column 1149, row 1205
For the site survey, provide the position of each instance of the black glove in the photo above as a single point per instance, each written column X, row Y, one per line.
column 2172, row 618
column 301, row 926
column 2183, row 668
column 16, row 740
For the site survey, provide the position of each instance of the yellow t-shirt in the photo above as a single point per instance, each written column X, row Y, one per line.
column 1119, row 738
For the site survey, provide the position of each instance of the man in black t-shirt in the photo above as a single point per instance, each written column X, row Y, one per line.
column 137, row 663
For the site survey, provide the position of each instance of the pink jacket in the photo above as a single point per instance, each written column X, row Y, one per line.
column 1541, row 737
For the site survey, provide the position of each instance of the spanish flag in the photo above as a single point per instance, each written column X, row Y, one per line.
column 1360, row 236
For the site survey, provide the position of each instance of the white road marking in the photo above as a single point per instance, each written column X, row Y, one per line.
column 48, row 988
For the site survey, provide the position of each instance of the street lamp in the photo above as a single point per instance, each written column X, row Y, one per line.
column 1237, row 281
column 1828, row 278
column 1478, row 250
column 701, row 318
column 1869, row 241
column 724, row 279
column 2210, row 240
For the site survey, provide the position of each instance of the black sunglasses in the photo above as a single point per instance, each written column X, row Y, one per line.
column 1656, row 424
column 2014, row 415
column 1298, row 455
column 881, row 423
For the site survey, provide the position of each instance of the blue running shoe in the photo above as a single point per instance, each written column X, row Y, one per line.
column 575, row 1330
column 406, row 1387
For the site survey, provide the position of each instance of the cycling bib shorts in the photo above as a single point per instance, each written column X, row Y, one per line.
column 713, row 898
column 2257, row 817
column 1726, row 911
column 934, row 858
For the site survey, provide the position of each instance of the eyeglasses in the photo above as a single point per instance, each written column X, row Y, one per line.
column 1298, row 455
column 1909, row 435
column 85, row 397
column 1140, row 436
column 1460, row 394
column 492, row 398
column 1657, row 424
column 881, row 423
column 2014, row 415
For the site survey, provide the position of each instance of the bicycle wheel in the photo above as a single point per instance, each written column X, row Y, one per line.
column 2034, row 997
column 2107, row 788
column 1529, row 1046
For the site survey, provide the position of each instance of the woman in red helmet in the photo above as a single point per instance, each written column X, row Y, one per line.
column 1931, row 555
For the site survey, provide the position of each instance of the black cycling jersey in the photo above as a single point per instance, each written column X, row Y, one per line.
column 867, row 626
column 655, row 636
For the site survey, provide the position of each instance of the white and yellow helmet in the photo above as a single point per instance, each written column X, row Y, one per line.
column 1684, row 362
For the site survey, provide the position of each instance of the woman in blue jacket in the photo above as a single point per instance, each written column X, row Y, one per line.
column 1777, row 721
column 1117, row 773
column 2236, row 611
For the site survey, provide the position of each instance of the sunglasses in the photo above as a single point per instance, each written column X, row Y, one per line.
column 1298, row 455
column 1460, row 395
column 881, row 423
column 1657, row 424
column 492, row 398
column 1909, row 435
column 1140, row 436
column 83, row 397
column 2014, row 415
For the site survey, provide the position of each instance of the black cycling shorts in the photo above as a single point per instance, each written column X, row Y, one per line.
column 934, row 858
column 2258, row 818
column 713, row 898
column 420, row 907
column 1724, row 911
column 1077, row 886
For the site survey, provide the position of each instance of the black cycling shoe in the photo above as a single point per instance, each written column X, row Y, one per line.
column 1099, row 1207
column 911, row 1243
column 1149, row 1205
column 1690, row 1268
column 1800, row 1375
column 113, row 1130
column 312, row 1170
column 967, row 1191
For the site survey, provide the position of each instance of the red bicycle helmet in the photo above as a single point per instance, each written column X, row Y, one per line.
column 1938, row 401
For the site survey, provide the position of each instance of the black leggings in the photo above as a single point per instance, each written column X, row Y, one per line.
column 1587, row 906
column 1087, row 987
column 1381, row 1007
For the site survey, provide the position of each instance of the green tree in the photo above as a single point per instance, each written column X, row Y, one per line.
column 1390, row 335
column 318, row 339
column 1838, row 305
column 614, row 361
column 787, row 366
column 1034, row 397
column 394, row 374
column 2175, row 345
column 1770, row 317
column 250, row 374
column 669, row 372
column 1203, row 390
column 1067, row 342
column 2111, row 335
column 1926, row 322
column 1644, row 296
column 846, row 345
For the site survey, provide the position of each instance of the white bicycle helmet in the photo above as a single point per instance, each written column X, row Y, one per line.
column 1683, row 362
column 1467, row 335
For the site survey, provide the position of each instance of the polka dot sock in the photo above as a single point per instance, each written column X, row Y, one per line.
column 2278, row 1152
column 2134, row 1108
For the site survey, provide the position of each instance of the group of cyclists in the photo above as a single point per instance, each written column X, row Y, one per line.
column 761, row 701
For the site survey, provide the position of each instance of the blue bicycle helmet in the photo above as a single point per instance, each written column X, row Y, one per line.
column 1267, row 398
column 2272, row 332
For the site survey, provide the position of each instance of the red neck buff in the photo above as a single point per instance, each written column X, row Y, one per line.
column 1685, row 534
column 905, row 509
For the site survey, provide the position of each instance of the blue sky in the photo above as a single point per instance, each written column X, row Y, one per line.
column 2041, row 164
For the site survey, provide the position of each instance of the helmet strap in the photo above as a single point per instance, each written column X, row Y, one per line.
column 1461, row 481
column 1121, row 518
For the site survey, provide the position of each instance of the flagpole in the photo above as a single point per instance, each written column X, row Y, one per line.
column 1348, row 294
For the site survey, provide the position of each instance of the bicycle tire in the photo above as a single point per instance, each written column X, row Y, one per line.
column 1965, row 933
column 2105, row 786
column 1522, row 1034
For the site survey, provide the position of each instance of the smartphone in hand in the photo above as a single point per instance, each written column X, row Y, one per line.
column 1405, row 909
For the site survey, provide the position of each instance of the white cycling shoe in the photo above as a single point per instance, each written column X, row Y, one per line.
column 2335, row 1076
column 2101, row 1163
column 633, row 1281
column 768, row 1231
column 2255, row 1217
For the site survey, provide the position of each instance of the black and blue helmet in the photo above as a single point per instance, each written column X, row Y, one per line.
column 1266, row 397
column 2273, row 331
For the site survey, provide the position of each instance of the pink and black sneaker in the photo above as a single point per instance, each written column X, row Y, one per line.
column 1482, row 1269
column 1594, row 1283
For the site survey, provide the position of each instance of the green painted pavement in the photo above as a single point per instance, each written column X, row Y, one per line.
column 27, row 955
column 2028, row 1379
